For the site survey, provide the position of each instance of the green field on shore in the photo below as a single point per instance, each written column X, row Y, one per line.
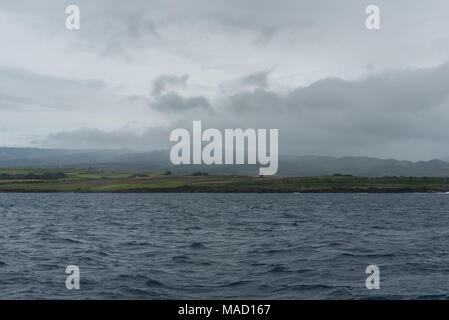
column 91, row 180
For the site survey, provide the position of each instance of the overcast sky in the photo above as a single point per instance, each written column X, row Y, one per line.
column 137, row 69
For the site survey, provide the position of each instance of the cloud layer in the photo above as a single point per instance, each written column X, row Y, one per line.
column 400, row 114
column 309, row 68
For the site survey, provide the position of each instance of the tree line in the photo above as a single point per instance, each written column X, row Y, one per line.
column 31, row 175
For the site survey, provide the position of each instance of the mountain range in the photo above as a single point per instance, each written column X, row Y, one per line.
column 160, row 161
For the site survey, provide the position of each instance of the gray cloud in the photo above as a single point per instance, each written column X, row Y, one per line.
column 259, row 79
column 333, row 87
column 119, row 31
column 400, row 114
column 165, row 98
column 166, row 81
column 32, row 105
column 22, row 89
column 173, row 102
column 113, row 27
column 240, row 86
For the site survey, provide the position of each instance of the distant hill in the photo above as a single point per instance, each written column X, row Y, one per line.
column 159, row 161
column 34, row 157
column 361, row 166
column 11, row 154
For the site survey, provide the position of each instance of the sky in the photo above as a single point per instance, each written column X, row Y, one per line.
column 138, row 69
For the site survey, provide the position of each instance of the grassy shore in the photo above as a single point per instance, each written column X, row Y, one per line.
column 90, row 180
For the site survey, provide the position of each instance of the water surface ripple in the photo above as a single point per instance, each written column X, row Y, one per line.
column 195, row 246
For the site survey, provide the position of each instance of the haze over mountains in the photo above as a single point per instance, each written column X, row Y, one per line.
column 160, row 161
column 310, row 69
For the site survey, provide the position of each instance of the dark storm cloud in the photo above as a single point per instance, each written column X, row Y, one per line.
column 166, row 99
column 382, row 115
column 353, row 91
column 374, row 115
column 402, row 91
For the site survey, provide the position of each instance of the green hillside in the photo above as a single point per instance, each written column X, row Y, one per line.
column 91, row 180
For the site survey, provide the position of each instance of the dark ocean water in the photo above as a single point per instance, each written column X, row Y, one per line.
column 263, row 246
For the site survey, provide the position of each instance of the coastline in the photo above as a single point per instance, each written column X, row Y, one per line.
column 58, row 180
column 171, row 191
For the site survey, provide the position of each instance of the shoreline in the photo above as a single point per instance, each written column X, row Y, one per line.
column 58, row 180
column 323, row 191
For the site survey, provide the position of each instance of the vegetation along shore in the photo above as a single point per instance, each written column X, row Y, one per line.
column 92, row 180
